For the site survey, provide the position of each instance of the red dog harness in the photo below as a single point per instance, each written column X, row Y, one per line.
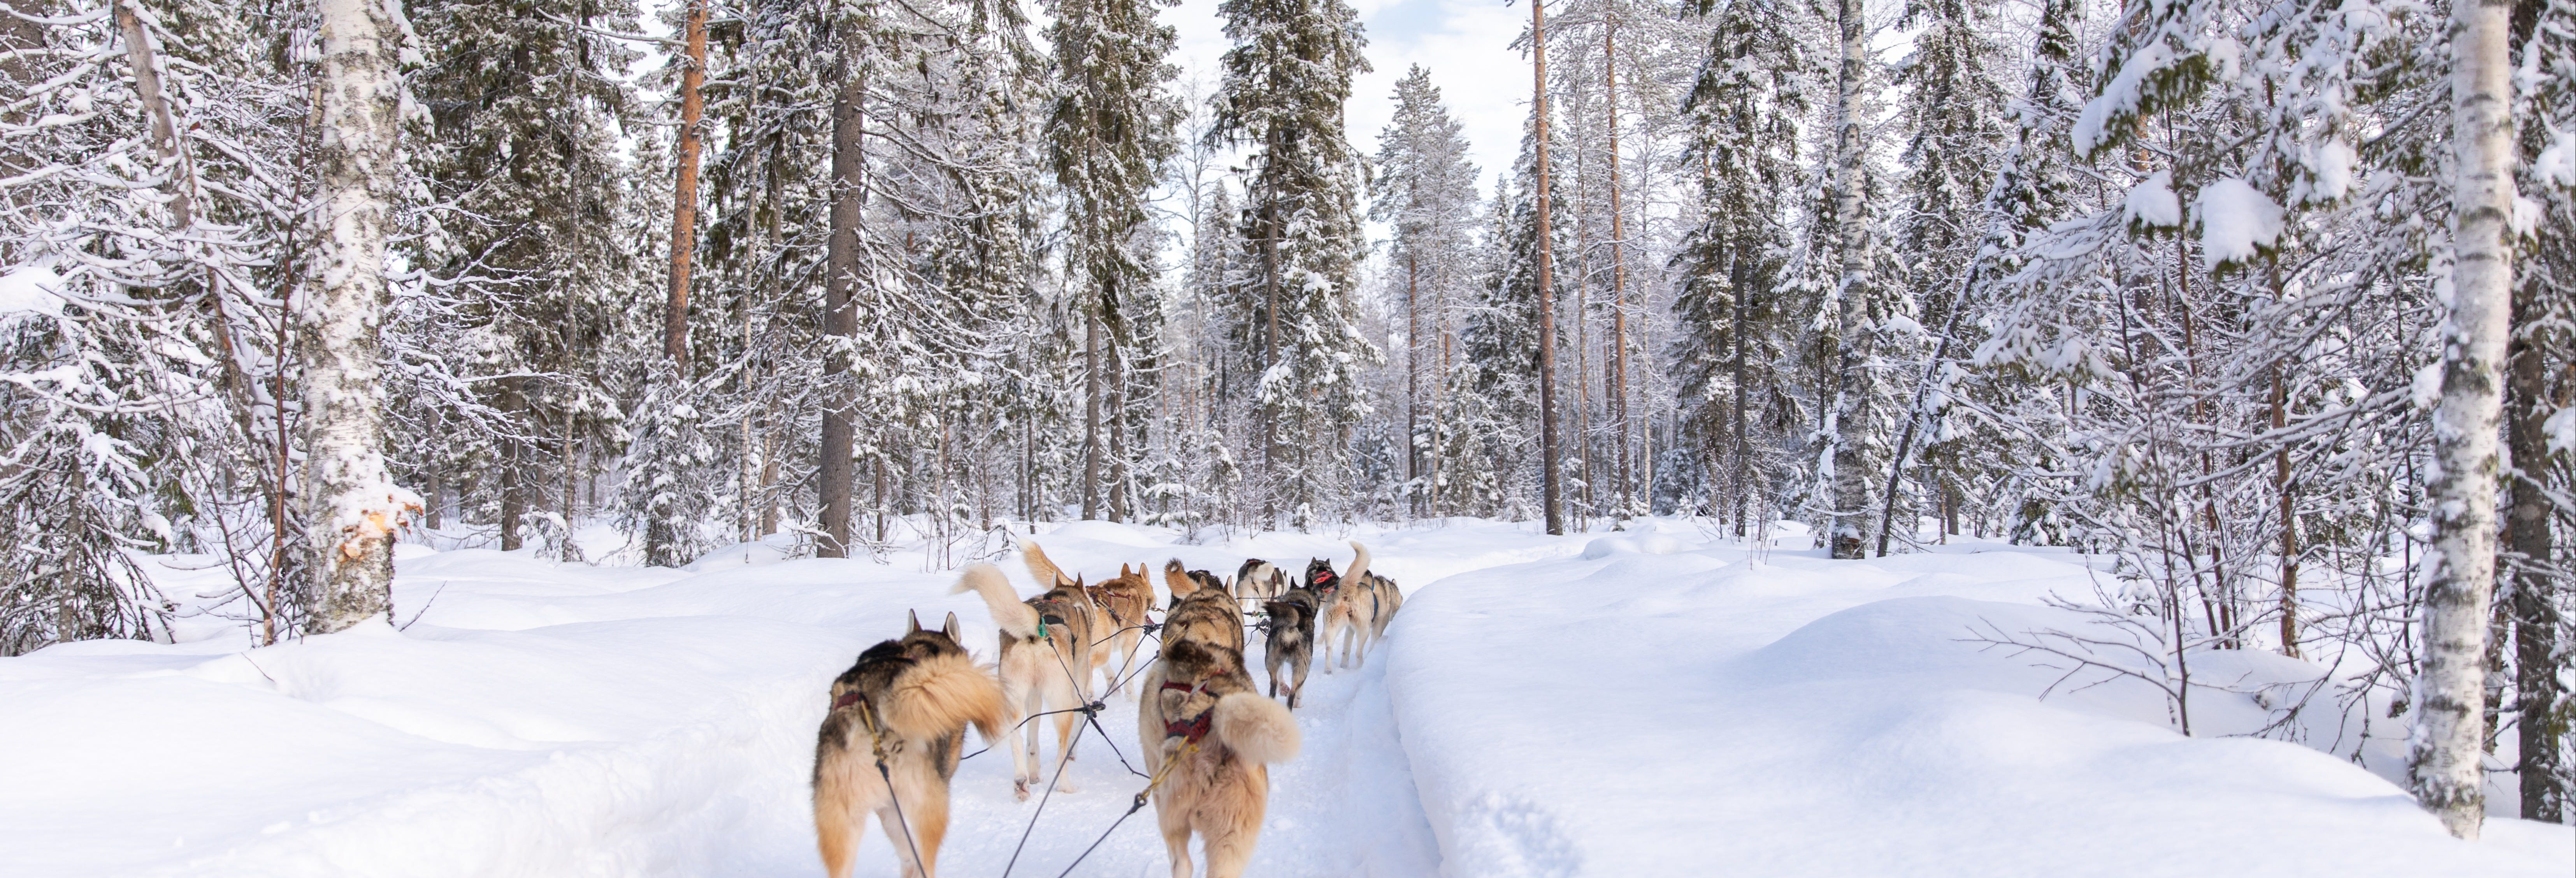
column 1194, row 728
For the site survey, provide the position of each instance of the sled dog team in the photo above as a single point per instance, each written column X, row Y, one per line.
column 896, row 728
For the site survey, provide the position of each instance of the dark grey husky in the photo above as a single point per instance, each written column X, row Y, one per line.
column 1292, row 639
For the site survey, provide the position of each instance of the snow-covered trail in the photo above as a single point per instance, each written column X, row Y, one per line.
column 545, row 719
column 1659, row 702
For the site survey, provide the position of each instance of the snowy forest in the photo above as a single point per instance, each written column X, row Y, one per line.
column 2269, row 303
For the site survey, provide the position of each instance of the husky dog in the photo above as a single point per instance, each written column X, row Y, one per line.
column 903, row 709
column 1124, row 601
column 1046, row 658
column 1389, row 600
column 1202, row 710
column 1356, row 607
column 1199, row 612
column 1259, row 580
column 1292, row 640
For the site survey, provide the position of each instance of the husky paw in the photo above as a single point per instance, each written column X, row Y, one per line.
column 1020, row 789
column 1066, row 786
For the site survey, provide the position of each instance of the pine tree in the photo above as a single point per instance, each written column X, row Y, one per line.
column 521, row 146
column 1954, row 108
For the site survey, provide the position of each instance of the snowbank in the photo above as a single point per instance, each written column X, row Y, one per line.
column 1706, row 713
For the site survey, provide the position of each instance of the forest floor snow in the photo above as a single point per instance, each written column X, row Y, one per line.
column 1654, row 702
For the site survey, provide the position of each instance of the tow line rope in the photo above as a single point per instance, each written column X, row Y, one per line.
column 876, row 742
column 1141, row 797
column 1064, row 760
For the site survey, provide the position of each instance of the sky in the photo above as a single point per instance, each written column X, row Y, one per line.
column 1466, row 44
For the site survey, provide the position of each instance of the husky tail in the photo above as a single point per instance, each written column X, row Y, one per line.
column 1256, row 728
column 1041, row 567
column 985, row 580
column 947, row 692
column 1177, row 579
column 1359, row 565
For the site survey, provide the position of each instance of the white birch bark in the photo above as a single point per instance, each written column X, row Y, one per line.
column 351, row 501
column 1845, row 480
column 2444, row 745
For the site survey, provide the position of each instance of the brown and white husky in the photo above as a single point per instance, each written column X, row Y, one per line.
column 907, row 702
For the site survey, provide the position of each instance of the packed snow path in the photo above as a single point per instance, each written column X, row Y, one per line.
column 1653, row 703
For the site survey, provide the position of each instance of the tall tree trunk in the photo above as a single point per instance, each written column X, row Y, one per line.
column 877, row 503
column 1412, row 369
column 1849, row 490
column 1122, row 502
column 1741, row 275
column 571, row 550
column 840, row 311
column 352, row 507
column 1548, row 450
column 2446, row 741
column 1618, row 389
column 1439, row 391
column 514, row 459
column 684, row 197
column 2527, row 531
column 1091, row 388
column 2289, row 517
column 1270, row 446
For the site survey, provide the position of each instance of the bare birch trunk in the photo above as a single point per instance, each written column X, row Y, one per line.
column 1849, row 490
column 165, row 133
column 2446, row 741
column 1552, row 491
column 351, row 503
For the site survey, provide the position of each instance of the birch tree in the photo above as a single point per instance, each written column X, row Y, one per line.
column 2447, row 743
column 351, row 501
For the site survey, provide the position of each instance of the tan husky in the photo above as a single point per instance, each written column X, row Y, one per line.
column 1123, row 602
column 1046, row 659
column 1208, row 734
column 1357, row 607
column 904, row 706
column 1200, row 611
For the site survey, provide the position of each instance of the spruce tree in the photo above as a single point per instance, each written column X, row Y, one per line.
column 1744, row 110
column 521, row 142
column 1285, row 82
column 1111, row 131
column 1426, row 190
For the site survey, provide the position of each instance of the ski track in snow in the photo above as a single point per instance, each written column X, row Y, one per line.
column 1651, row 703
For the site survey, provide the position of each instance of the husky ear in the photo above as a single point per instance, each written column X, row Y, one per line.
column 950, row 629
column 1123, row 572
column 914, row 616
